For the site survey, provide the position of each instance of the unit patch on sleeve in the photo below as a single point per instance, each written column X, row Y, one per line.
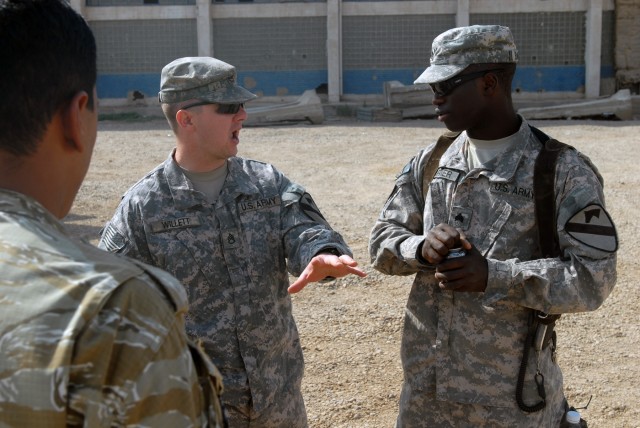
column 593, row 226
column 406, row 169
column 112, row 240
column 310, row 208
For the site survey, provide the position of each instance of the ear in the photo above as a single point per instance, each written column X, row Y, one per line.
column 183, row 118
column 72, row 121
column 490, row 84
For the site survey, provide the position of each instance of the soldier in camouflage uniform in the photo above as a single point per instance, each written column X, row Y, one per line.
column 86, row 338
column 230, row 228
column 467, row 317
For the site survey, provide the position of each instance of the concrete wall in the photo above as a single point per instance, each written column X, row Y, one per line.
column 276, row 56
column 345, row 47
column 553, row 51
column 130, row 57
column 627, row 53
column 382, row 48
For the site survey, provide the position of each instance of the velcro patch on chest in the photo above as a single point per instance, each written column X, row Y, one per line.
column 460, row 217
column 512, row 189
column 174, row 223
column 258, row 204
column 447, row 174
column 593, row 226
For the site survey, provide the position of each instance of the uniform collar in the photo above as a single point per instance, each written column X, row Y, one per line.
column 503, row 168
column 182, row 191
column 25, row 206
column 507, row 163
column 238, row 182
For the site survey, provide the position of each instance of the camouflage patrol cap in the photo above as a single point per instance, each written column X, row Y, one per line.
column 457, row 48
column 202, row 78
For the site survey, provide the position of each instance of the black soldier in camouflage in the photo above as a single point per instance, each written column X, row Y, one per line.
column 467, row 317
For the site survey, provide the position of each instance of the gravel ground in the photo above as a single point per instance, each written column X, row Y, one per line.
column 350, row 329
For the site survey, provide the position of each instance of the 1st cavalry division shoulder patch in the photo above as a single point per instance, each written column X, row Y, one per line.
column 593, row 226
column 310, row 208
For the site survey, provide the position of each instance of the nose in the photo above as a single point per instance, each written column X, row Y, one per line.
column 437, row 99
column 241, row 115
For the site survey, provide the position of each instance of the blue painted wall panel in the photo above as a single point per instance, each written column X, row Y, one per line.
column 280, row 83
column 527, row 79
column 549, row 79
column 362, row 82
column 268, row 83
column 356, row 82
column 118, row 85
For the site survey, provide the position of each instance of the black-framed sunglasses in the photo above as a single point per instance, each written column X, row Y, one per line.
column 222, row 108
column 442, row 89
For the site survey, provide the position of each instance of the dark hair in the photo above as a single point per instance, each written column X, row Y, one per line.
column 47, row 55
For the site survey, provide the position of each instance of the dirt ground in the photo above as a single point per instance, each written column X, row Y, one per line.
column 350, row 329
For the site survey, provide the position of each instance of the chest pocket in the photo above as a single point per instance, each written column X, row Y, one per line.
column 260, row 222
column 440, row 190
column 187, row 251
column 495, row 223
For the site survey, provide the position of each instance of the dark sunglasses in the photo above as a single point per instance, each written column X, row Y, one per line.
column 222, row 108
column 442, row 89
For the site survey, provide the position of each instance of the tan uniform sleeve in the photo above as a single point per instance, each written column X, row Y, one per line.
column 134, row 366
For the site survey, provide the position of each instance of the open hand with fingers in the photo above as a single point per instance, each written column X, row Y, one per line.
column 326, row 265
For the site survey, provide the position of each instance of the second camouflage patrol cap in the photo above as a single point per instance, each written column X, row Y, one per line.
column 203, row 78
column 457, row 48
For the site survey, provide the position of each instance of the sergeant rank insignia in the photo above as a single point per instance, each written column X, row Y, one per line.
column 593, row 226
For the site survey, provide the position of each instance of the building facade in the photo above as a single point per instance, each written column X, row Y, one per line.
column 345, row 48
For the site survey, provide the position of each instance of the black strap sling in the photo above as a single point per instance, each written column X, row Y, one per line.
column 541, row 325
